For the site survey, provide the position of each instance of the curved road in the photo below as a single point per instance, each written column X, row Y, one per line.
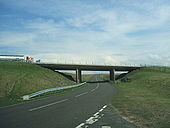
column 84, row 107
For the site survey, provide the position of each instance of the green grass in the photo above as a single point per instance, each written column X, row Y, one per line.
column 87, row 77
column 18, row 79
column 107, row 76
column 145, row 99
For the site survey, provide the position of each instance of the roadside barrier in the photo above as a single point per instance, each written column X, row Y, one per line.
column 27, row 97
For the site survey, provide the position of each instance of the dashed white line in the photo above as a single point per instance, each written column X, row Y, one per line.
column 96, row 79
column 92, row 119
column 81, row 94
column 47, row 105
column 106, row 126
column 101, row 110
column 96, row 113
column 82, row 124
column 104, row 106
column 95, row 88
column 89, row 119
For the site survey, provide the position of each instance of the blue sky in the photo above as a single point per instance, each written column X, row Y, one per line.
column 87, row 31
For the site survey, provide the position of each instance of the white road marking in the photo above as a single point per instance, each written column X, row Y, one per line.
column 89, row 119
column 47, row 105
column 96, row 79
column 95, row 88
column 92, row 119
column 106, row 126
column 82, row 124
column 104, row 106
column 81, row 94
column 101, row 110
column 96, row 113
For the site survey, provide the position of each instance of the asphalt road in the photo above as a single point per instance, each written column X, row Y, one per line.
column 85, row 107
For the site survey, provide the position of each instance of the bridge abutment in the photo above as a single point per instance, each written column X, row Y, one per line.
column 112, row 74
column 78, row 76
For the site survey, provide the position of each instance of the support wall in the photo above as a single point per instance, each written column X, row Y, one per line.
column 78, row 76
column 112, row 74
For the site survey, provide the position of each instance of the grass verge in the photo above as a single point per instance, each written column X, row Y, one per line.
column 18, row 79
column 145, row 98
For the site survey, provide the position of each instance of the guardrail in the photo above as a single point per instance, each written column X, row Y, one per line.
column 27, row 97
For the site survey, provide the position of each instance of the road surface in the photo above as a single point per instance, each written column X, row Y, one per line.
column 88, row 106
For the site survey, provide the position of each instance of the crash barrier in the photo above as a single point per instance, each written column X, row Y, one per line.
column 27, row 97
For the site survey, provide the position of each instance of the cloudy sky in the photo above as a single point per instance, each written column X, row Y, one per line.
column 87, row 31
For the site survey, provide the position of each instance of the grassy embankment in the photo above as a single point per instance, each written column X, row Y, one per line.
column 145, row 98
column 18, row 79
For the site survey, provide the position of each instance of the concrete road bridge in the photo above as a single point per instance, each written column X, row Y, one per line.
column 79, row 68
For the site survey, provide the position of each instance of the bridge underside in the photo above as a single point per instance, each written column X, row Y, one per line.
column 79, row 75
column 80, row 68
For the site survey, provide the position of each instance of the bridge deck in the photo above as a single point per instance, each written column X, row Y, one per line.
column 55, row 66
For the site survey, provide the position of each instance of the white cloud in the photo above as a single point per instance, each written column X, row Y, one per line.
column 79, row 59
column 92, row 32
column 16, row 38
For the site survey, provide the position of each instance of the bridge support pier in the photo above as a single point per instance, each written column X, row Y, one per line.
column 112, row 75
column 78, row 76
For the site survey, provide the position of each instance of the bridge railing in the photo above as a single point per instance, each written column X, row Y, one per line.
column 27, row 97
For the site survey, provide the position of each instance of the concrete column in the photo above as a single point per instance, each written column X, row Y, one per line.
column 78, row 75
column 112, row 75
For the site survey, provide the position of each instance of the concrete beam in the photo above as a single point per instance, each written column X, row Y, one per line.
column 112, row 75
column 55, row 66
column 78, row 76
